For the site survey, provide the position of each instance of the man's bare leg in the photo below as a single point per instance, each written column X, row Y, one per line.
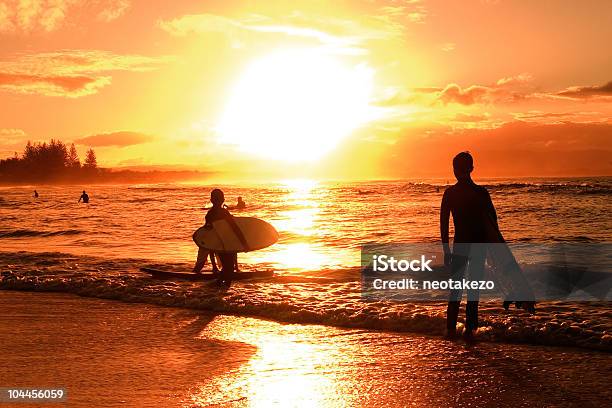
column 213, row 263
column 201, row 260
column 236, row 262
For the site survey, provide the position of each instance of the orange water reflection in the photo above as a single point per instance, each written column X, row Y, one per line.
column 302, row 246
column 284, row 371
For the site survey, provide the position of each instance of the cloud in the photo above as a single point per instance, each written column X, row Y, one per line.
column 11, row 141
column 517, row 88
column 118, row 139
column 466, row 96
column 585, row 92
column 114, row 10
column 11, row 132
column 69, row 86
column 71, row 62
column 329, row 31
column 27, row 16
column 470, row 117
column 562, row 117
column 30, row 15
column 69, row 73
column 412, row 10
column 517, row 80
column 505, row 90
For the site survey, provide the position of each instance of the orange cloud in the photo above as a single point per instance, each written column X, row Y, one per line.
column 588, row 91
column 466, row 96
column 11, row 140
column 562, row 117
column 69, row 86
column 26, row 16
column 509, row 89
column 505, row 90
column 69, row 73
column 119, row 139
column 30, row 15
column 468, row 117
column 114, row 10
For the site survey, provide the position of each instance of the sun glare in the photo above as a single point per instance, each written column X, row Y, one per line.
column 296, row 105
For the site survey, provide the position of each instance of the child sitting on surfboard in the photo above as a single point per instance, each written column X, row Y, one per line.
column 229, row 260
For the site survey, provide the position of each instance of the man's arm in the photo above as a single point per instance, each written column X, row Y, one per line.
column 444, row 220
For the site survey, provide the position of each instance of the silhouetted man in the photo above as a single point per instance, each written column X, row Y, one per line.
column 84, row 197
column 35, row 194
column 471, row 207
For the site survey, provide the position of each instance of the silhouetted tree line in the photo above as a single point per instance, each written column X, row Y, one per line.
column 54, row 162
column 45, row 162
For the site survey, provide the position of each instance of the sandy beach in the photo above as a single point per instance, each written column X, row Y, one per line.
column 108, row 353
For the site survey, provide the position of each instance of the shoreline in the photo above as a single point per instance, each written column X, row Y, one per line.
column 557, row 326
column 117, row 354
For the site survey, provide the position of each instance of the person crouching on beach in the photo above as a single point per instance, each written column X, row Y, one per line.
column 229, row 260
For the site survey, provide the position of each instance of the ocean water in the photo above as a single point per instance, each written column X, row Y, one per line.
column 95, row 249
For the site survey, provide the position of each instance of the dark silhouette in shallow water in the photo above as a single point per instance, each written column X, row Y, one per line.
column 476, row 234
column 469, row 204
column 241, row 204
column 229, row 260
column 35, row 194
column 84, row 197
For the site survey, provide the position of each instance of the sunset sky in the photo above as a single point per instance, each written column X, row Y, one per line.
column 342, row 89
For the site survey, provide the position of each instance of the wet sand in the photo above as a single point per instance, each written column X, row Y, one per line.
column 109, row 353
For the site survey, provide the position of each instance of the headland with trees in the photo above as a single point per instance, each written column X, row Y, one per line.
column 55, row 162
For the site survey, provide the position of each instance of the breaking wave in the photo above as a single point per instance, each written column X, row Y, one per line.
column 321, row 297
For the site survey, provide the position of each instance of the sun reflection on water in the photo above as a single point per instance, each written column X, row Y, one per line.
column 303, row 232
column 284, row 371
column 297, row 249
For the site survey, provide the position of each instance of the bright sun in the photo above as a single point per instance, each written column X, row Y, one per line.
column 296, row 105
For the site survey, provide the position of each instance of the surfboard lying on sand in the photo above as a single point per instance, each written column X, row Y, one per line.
column 159, row 274
column 222, row 238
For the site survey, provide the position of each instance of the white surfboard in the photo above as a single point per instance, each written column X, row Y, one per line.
column 222, row 238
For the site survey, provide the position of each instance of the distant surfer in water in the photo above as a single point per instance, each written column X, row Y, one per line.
column 35, row 194
column 241, row 204
column 470, row 205
column 229, row 260
column 84, row 197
